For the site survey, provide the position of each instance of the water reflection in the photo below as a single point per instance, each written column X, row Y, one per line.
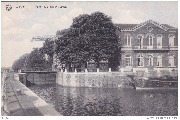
column 112, row 101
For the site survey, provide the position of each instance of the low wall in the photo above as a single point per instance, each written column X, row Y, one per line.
column 35, row 78
column 93, row 79
column 40, row 79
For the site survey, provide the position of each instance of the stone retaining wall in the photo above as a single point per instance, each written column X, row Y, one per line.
column 35, row 78
column 93, row 79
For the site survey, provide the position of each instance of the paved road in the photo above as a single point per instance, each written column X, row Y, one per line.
column 21, row 101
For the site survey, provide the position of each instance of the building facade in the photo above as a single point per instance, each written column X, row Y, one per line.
column 148, row 47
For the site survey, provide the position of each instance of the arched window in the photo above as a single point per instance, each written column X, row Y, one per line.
column 127, row 40
column 159, row 61
column 150, row 60
column 159, row 41
column 150, row 40
column 128, row 59
column 171, row 61
column 140, row 60
column 140, row 40
column 171, row 40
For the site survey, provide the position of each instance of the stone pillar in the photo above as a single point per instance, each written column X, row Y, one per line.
column 134, row 70
column 86, row 70
column 75, row 70
column 146, row 70
column 109, row 69
column 60, row 78
column 97, row 69
column 122, row 71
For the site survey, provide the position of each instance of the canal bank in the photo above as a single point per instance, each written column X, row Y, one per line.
column 96, row 79
column 19, row 100
column 99, row 101
column 114, row 80
column 102, row 101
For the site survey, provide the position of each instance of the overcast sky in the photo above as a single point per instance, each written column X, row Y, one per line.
column 19, row 25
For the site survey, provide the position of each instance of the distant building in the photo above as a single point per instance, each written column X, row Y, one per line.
column 148, row 47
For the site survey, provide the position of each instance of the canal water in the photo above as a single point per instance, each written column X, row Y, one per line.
column 71, row 101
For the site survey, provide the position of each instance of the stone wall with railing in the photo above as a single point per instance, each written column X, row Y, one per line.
column 109, row 79
column 94, row 79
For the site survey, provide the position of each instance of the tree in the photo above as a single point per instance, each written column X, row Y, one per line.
column 20, row 63
column 48, row 51
column 36, row 60
column 89, row 37
column 62, row 32
column 32, row 61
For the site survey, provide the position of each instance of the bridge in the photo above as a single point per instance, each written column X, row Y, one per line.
column 37, row 77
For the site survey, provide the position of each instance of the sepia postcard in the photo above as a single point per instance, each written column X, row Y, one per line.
column 89, row 58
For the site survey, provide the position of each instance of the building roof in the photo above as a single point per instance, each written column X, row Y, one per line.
column 168, row 26
column 131, row 27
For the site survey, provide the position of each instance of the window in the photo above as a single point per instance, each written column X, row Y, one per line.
column 140, row 40
column 171, row 61
column 127, row 40
column 159, row 41
column 171, row 40
column 150, row 40
column 159, row 61
column 150, row 60
column 128, row 60
column 140, row 61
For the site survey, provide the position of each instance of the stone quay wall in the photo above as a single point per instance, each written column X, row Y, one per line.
column 93, row 79
column 35, row 78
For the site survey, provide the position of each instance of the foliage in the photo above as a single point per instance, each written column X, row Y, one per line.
column 89, row 37
column 20, row 63
column 32, row 61
column 48, row 51
column 35, row 59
